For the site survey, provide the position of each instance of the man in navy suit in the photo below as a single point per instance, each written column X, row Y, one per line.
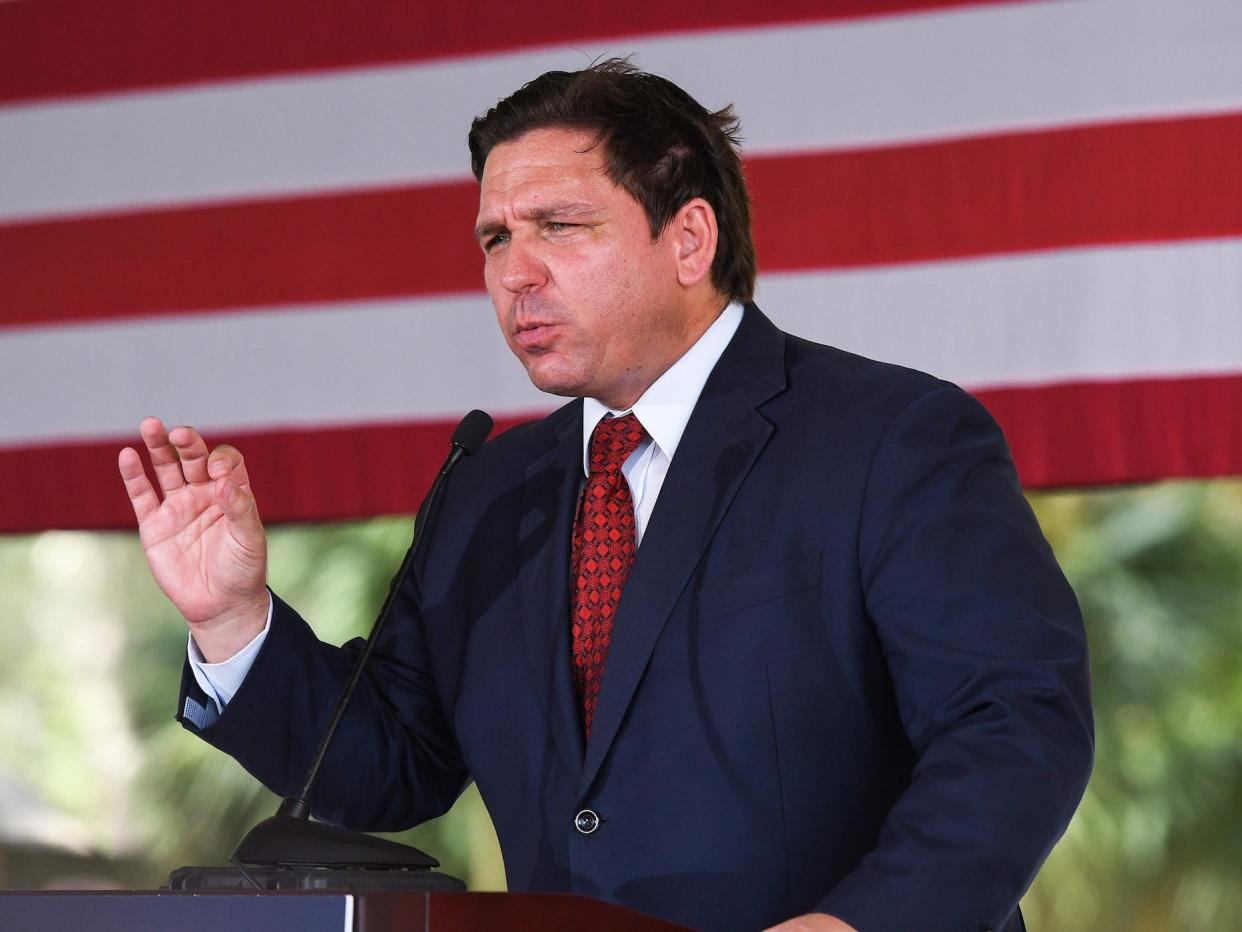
column 752, row 629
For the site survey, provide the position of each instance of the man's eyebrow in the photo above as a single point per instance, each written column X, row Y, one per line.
column 485, row 230
column 563, row 210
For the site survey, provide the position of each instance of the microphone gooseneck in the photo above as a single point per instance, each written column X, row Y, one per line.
column 280, row 839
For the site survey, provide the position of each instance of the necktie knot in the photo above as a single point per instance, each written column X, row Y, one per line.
column 613, row 440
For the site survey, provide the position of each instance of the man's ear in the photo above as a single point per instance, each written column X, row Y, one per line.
column 692, row 234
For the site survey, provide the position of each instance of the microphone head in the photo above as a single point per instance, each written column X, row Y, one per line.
column 472, row 431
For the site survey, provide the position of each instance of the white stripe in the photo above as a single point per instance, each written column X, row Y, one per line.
column 1106, row 313
column 1123, row 312
column 323, row 364
column 886, row 79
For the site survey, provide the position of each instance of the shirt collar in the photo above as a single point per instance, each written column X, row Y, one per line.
column 664, row 408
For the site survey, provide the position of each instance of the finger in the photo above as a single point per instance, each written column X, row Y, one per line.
column 163, row 457
column 227, row 460
column 137, row 485
column 239, row 507
column 191, row 451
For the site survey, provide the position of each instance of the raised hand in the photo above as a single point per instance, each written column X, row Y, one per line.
column 204, row 541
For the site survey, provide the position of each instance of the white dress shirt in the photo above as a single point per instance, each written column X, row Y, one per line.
column 663, row 410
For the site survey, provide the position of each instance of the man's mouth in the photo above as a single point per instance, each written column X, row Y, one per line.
column 534, row 335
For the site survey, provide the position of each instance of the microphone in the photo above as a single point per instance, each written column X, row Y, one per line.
column 290, row 838
column 471, row 432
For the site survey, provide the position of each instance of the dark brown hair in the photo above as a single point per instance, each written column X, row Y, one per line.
column 660, row 145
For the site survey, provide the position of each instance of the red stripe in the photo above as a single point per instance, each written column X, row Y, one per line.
column 1112, row 183
column 1138, row 431
column 1131, row 182
column 359, row 245
column 388, row 467
column 1089, row 433
column 65, row 47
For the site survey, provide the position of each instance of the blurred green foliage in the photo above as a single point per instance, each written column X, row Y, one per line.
column 90, row 663
column 91, row 653
column 1157, row 842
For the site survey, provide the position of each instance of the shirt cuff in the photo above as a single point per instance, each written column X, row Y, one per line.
column 220, row 681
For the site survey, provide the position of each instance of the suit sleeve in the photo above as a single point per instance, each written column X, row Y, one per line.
column 985, row 646
column 394, row 762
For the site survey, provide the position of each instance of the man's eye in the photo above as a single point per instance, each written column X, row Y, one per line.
column 558, row 226
column 493, row 241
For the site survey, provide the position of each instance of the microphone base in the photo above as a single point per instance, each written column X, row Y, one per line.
column 288, row 841
column 310, row 878
column 285, row 852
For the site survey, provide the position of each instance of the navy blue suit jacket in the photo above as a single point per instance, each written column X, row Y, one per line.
column 846, row 673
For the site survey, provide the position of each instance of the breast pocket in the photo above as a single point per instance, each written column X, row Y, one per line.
column 725, row 594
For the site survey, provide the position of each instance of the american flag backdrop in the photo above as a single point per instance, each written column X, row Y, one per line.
column 255, row 216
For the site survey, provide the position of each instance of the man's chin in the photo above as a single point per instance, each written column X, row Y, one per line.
column 547, row 379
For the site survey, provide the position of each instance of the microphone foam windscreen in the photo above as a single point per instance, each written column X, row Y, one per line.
column 472, row 431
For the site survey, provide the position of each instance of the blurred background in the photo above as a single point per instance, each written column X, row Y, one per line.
column 255, row 217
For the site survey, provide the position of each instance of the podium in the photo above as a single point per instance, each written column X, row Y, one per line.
column 314, row 911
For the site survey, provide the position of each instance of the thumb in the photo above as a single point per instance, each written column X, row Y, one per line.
column 239, row 507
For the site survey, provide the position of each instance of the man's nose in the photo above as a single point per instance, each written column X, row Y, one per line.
column 522, row 269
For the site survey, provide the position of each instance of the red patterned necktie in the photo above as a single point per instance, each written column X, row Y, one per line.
column 603, row 550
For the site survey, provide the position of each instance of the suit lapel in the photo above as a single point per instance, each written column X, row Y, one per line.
column 721, row 442
column 549, row 496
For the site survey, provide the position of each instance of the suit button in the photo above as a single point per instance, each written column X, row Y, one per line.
column 586, row 821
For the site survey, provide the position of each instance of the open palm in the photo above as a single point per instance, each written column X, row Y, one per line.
column 204, row 541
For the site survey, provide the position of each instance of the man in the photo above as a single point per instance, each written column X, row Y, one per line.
column 842, row 679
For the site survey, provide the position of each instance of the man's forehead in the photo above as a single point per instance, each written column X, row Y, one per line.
column 537, row 182
column 542, row 171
